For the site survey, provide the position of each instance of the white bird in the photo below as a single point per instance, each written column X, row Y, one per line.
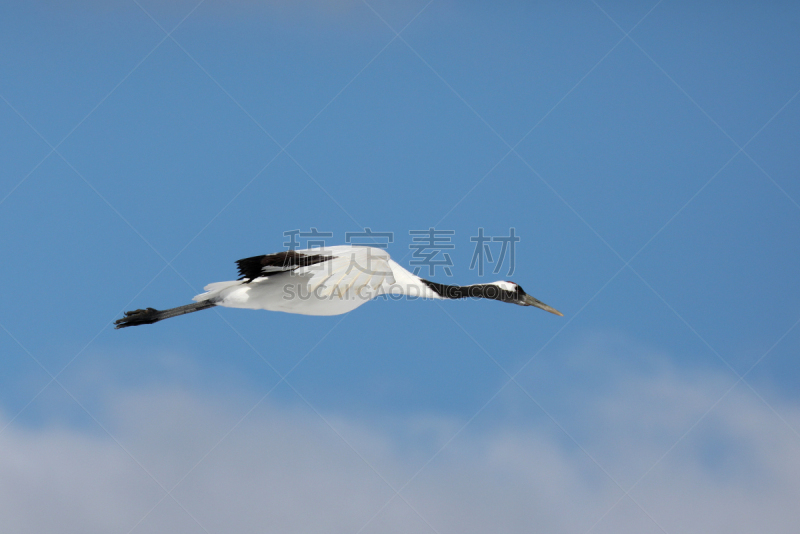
column 326, row 281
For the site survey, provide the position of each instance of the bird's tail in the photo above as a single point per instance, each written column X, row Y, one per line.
column 151, row 315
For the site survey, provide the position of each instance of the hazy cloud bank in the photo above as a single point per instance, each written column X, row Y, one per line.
column 283, row 469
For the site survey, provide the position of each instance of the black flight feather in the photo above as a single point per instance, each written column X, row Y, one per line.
column 252, row 268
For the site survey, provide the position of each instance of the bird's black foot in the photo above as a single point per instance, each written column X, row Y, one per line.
column 137, row 317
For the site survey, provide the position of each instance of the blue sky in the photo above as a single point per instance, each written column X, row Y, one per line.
column 645, row 154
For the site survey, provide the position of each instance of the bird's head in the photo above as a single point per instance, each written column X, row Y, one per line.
column 513, row 293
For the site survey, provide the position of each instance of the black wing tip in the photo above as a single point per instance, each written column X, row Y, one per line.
column 250, row 268
column 138, row 317
column 253, row 267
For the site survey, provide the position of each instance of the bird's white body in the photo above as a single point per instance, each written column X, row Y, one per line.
column 354, row 275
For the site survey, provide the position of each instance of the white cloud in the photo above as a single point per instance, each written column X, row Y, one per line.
column 284, row 470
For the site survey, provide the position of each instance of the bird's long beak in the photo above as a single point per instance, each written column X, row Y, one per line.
column 530, row 301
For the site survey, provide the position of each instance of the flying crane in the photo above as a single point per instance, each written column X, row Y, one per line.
column 326, row 281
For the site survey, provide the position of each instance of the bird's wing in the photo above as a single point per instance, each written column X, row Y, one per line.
column 357, row 270
column 329, row 271
column 290, row 260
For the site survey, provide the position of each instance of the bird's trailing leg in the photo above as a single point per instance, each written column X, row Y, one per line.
column 151, row 315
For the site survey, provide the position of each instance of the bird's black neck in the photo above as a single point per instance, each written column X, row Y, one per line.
column 485, row 291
